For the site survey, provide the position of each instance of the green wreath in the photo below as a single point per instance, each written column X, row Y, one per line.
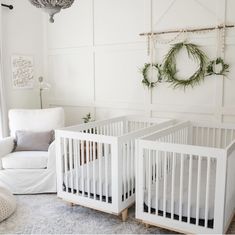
column 211, row 67
column 169, row 65
column 145, row 81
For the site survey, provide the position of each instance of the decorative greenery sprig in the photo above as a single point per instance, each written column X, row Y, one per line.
column 170, row 70
column 87, row 118
column 218, row 62
column 145, row 70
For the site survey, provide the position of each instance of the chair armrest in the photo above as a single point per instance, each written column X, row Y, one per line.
column 51, row 164
column 6, row 147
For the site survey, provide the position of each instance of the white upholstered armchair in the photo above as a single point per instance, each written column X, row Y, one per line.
column 30, row 172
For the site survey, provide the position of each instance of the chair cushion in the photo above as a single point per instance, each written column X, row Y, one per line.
column 25, row 160
column 33, row 141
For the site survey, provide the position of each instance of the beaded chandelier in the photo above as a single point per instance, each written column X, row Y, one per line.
column 52, row 6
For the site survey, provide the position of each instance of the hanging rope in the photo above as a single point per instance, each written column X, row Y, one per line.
column 152, row 42
column 165, row 12
column 209, row 10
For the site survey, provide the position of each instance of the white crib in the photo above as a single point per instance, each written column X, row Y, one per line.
column 186, row 176
column 96, row 162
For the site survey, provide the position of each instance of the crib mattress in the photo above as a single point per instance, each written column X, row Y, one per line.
column 74, row 178
column 185, row 192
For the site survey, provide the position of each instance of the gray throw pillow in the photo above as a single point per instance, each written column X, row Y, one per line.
column 33, row 141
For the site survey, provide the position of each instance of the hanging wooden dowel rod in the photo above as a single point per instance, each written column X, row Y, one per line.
column 8, row 6
column 187, row 30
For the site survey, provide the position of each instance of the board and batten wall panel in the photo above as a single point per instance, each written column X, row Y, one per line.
column 95, row 54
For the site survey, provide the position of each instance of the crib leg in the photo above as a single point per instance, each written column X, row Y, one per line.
column 124, row 215
column 146, row 225
column 71, row 204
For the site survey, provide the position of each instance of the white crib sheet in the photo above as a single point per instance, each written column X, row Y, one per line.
column 185, row 192
column 77, row 178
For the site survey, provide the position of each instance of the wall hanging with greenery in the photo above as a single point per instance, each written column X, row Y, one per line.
column 217, row 67
column 170, row 69
column 167, row 72
column 145, row 72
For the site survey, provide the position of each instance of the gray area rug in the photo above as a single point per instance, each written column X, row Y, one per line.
column 47, row 214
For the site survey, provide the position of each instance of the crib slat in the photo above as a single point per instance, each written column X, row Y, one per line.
column 219, row 143
column 100, row 169
column 66, row 164
column 87, row 167
column 94, row 170
column 226, row 140
column 213, row 138
column 187, row 136
column 202, row 136
column 124, row 157
column 114, row 129
column 90, row 150
column 78, row 163
column 196, row 135
column 71, row 164
column 208, row 136
column 178, row 137
column 82, row 166
column 198, row 189
column 157, row 180
column 231, row 135
column 182, row 136
column 74, row 144
column 133, row 164
column 111, row 129
column 189, row 188
column 131, row 167
column 181, row 184
column 173, row 186
column 149, row 180
column 118, row 128
column 207, row 189
column 165, row 183
column 128, row 168
column 106, row 157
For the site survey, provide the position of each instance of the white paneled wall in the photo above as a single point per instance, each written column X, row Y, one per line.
column 95, row 54
column 22, row 30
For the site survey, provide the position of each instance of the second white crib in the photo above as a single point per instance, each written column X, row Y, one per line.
column 185, row 178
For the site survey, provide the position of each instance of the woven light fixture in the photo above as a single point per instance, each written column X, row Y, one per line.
column 52, row 6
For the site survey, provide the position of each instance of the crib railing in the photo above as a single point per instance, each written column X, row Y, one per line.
column 127, row 154
column 180, row 173
column 113, row 127
column 182, row 177
column 128, row 168
column 213, row 136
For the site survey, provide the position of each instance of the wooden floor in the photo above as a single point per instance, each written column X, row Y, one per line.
column 231, row 229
